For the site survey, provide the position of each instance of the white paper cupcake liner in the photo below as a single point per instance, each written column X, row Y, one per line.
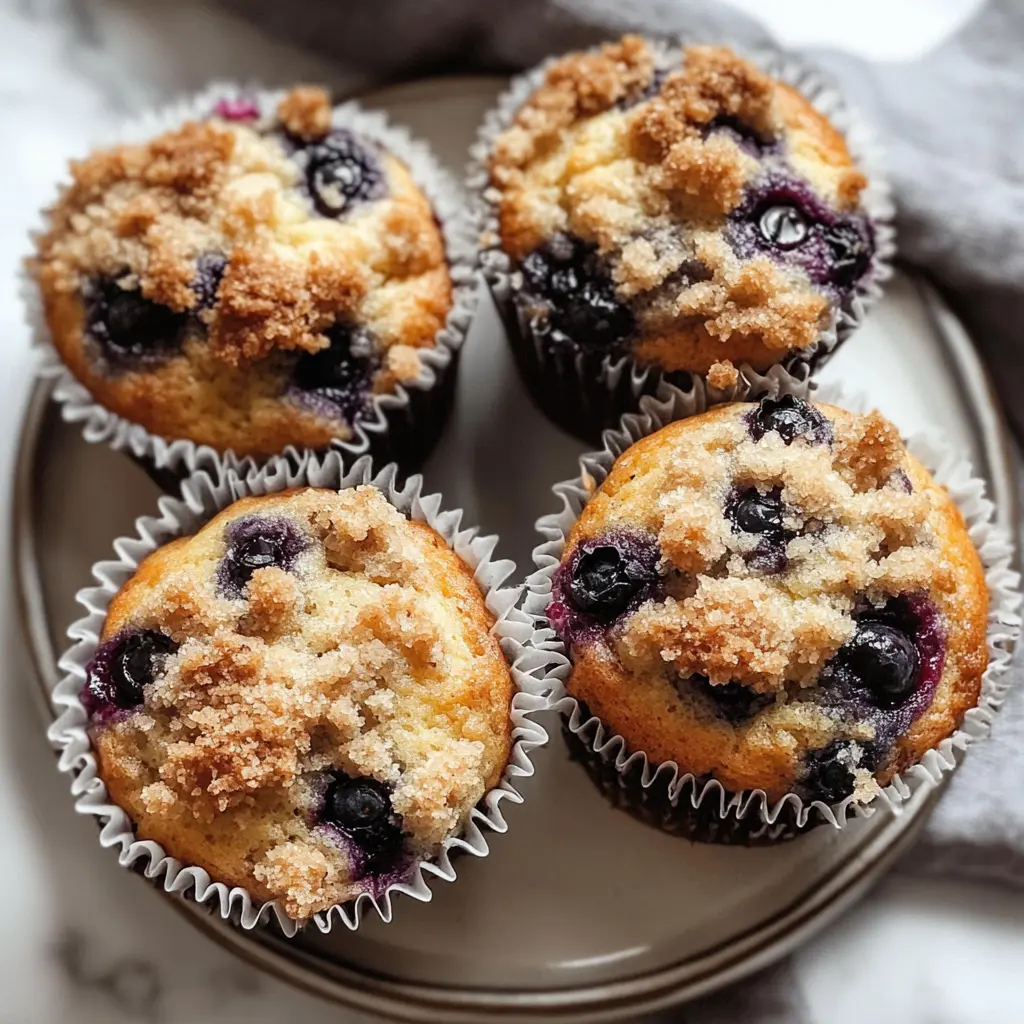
column 749, row 814
column 420, row 406
column 613, row 385
column 212, row 488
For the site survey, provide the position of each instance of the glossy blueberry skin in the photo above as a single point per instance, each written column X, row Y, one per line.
column 338, row 380
column 750, row 511
column 581, row 309
column 342, row 171
column 258, row 542
column 733, row 702
column 360, row 808
column 790, row 417
column 129, row 328
column 121, row 668
column 835, row 250
column 884, row 659
column 621, row 584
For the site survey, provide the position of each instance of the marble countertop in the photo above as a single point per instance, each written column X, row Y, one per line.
column 84, row 941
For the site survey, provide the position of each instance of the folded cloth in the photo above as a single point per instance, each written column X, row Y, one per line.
column 951, row 124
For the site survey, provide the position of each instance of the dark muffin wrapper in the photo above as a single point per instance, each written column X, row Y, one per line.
column 400, row 427
column 586, row 393
column 210, row 489
column 700, row 808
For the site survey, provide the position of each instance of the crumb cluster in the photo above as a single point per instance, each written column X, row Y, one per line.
column 372, row 656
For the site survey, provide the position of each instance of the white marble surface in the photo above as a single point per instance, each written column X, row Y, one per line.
column 81, row 940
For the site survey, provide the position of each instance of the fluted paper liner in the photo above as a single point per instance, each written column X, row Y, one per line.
column 420, row 407
column 611, row 386
column 212, row 488
column 790, row 813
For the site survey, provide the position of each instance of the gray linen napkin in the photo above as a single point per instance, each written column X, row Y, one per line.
column 951, row 123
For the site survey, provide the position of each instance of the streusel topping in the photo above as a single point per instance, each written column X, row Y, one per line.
column 307, row 643
column 206, row 262
column 667, row 173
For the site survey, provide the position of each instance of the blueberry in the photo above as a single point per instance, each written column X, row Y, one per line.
column 732, row 701
column 884, row 660
column 783, row 225
column 128, row 326
column 829, row 772
column 210, row 268
column 754, row 512
column 789, row 417
column 342, row 171
column 122, row 667
column 851, row 251
column 361, row 809
column 605, row 580
column 254, row 542
column 567, row 274
column 341, row 375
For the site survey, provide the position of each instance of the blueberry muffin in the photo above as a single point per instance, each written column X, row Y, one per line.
column 685, row 210
column 249, row 281
column 303, row 698
column 776, row 596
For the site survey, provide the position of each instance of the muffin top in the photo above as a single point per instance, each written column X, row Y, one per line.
column 777, row 596
column 692, row 212
column 245, row 281
column 302, row 697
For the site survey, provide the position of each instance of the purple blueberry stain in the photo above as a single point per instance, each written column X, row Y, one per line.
column 337, row 380
column 258, row 542
column 603, row 580
column 130, row 329
column 121, row 669
column 789, row 417
column 342, row 171
column 732, row 701
column 210, row 269
column 359, row 813
column 569, row 295
column 237, row 108
column 782, row 217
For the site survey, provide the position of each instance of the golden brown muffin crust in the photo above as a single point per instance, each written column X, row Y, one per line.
column 371, row 655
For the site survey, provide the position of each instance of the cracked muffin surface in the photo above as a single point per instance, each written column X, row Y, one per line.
column 777, row 596
column 302, row 698
column 247, row 281
column 693, row 213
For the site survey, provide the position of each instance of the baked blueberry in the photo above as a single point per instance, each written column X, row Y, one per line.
column 210, row 269
column 829, row 772
column 884, row 660
column 123, row 667
column 754, row 512
column 605, row 580
column 790, row 417
column 850, row 246
column 342, row 171
column 732, row 701
column 783, row 225
column 340, row 375
column 361, row 808
column 567, row 275
column 254, row 542
column 128, row 326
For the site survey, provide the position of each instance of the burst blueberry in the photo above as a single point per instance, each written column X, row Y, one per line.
column 732, row 701
column 568, row 276
column 790, row 417
column 605, row 580
column 123, row 667
column 254, row 543
column 128, row 326
column 341, row 172
column 884, row 660
column 340, row 375
column 361, row 808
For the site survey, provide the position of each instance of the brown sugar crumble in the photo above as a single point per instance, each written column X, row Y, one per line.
column 371, row 656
